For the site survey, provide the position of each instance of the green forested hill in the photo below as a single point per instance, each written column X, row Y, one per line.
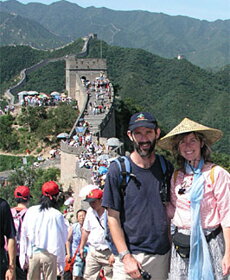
column 203, row 43
column 16, row 30
column 171, row 89
column 47, row 79
column 13, row 59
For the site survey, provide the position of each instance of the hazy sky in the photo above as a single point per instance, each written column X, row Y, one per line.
column 201, row 9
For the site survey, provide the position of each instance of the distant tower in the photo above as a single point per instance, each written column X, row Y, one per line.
column 180, row 56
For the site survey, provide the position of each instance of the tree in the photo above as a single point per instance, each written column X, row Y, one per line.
column 64, row 117
column 8, row 139
column 32, row 116
column 31, row 177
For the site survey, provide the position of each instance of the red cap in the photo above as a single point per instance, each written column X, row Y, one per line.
column 22, row 192
column 50, row 188
column 93, row 195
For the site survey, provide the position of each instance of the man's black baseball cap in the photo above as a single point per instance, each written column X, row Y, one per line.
column 142, row 119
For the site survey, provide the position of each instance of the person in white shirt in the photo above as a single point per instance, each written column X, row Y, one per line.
column 43, row 236
column 94, row 233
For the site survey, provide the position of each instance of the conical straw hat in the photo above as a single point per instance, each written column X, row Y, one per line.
column 212, row 135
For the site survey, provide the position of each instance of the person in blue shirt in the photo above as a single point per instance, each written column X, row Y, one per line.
column 137, row 218
column 72, row 244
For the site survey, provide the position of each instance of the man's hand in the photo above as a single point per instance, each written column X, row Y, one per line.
column 132, row 266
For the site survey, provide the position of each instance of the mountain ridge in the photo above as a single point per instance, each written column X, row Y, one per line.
column 22, row 31
column 202, row 42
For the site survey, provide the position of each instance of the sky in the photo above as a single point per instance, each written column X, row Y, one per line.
column 210, row 10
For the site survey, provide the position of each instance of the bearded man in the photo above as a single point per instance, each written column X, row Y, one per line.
column 137, row 219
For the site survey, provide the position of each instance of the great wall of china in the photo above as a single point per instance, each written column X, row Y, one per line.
column 102, row 125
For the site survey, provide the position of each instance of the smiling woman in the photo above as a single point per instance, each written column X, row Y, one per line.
column 190, row 147
column 199, row 206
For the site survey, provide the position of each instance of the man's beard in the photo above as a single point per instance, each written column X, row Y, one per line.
column 144, row 152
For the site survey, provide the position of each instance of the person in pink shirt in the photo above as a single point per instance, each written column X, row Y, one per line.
column 199, row 205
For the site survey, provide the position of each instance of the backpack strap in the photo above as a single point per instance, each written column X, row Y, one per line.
column 125, row 172
column 13, row 211
column 165, row 186
column 212, row 174
column 18, row 218
column 163, row 164
column 175, row 175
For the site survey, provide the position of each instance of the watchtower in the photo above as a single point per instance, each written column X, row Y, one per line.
column 77, row 68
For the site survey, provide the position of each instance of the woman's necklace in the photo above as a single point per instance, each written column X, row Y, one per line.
column 185, row 185
column 182, row 189
column 189, row 170
column 186, row 181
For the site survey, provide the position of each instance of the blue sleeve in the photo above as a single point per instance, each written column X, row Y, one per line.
column 112, row 195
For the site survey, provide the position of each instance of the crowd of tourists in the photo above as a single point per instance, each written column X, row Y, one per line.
column 38, row 100
column 7, row 109
column 124, row 233
column 44, row 100
column 100, row 92
column 95, row 157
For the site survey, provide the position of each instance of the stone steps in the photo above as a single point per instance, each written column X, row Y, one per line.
column 94, row 122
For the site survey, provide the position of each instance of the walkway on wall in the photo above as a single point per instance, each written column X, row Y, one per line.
column 94, row 116
column 98, row 105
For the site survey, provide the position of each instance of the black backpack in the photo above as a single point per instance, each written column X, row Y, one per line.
column 126, row 175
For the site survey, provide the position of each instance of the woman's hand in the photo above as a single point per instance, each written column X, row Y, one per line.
column 81, row 252
column 226, row 264
column 226, row 258
column 68, row 257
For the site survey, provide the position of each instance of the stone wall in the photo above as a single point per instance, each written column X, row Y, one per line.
column 71, row 175
column 90, row 68
column 108, row 125
column 70, row 75
column 11, row 92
